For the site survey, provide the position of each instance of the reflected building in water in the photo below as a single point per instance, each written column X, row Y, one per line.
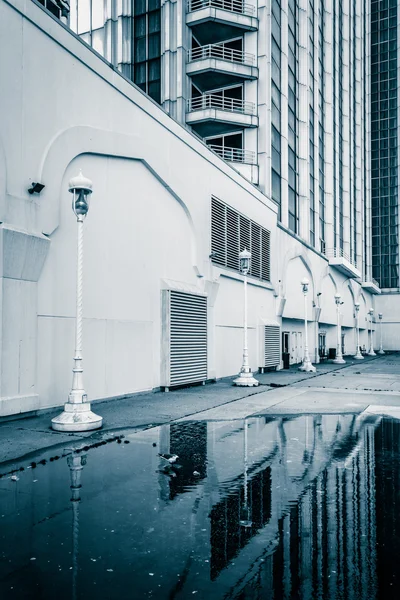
column 308, row 484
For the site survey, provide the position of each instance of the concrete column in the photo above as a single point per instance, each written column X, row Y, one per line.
column 264, row 97
column 317, row 84
column 367, row 221
column 335, row 127
column 346, row 129
column 175, row 42
column 284, row 114
column 22, row 256
column 359, row 99
column 303, row 123
column 328, row 122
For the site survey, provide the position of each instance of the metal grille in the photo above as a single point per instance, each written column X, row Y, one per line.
column 231, row 233
column 272, row 346
column 188, row 338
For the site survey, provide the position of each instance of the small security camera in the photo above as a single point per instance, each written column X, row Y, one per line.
column 36, row 188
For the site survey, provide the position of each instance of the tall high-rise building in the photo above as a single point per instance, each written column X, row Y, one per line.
column 278, row 89
column 384, row 143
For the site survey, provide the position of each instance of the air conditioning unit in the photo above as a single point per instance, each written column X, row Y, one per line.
column 271, row 345
column 184, row 338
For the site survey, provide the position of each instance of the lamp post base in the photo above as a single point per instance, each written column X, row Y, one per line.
column 246, row 379
column 358, row 356
column 77, row 417
column 380, row 351
column 371, row 353
column 339, row 361
column 307, row 366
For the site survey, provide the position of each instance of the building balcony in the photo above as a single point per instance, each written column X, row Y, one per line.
column 371, row 286
column 243, row 161
column 216, row 20
column 342, row 262
column 234, row 155
column 212, row 114
column 215, row 66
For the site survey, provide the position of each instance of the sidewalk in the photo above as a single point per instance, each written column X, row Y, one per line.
column 25, row 437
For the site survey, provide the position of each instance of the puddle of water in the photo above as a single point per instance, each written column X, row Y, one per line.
column 304, row 508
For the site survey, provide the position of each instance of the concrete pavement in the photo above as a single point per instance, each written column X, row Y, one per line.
column 353, row 387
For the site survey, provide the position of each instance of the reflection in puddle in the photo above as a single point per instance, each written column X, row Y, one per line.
column 304, row 507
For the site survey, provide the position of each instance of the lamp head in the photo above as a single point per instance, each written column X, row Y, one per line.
column 338, row 297
column 371, row 311
column 380, row 316
column 357, row 306
column 81, row 188
column 244, row 261
column 305, row 283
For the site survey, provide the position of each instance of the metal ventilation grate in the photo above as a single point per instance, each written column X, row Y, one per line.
column 272, row 346
column 187, row 335
column 231, row 233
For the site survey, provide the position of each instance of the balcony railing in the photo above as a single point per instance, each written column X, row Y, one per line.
column 221, row 103
column 339, row 253
column 235, row 6
column 221, row 52
column 236, row 155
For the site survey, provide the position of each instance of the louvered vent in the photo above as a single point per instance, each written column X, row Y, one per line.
column 272, row 346
column 186, row 338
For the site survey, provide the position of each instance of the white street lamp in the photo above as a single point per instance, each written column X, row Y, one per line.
column 339, row 355
column 75, row 464
column 245, row 509
column 245, row 376
column 306, row 366
column 371, row 347
column 380, row 351
column 358, row 354
column 77, row 415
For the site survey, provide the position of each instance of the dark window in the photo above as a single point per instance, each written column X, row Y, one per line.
column 147, row 47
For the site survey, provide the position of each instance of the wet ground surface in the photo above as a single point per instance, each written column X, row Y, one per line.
column 267, row 507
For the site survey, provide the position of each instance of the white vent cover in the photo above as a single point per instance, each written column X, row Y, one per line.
column 272, row 346
column 184, row 338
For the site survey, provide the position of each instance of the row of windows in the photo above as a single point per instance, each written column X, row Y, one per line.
column 384, row 185
column 231, row 233
column 147, row 47
column 384, row 36
column 276, row 103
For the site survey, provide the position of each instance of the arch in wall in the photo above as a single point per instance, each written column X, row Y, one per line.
column 80, row 140
column 328, row 288
column 363, row 310
column 292, row 255
column 327, row 273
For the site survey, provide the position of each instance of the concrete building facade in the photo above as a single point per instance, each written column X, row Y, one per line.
column 169, row 215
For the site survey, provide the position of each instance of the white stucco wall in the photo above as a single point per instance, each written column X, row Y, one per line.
column 149, row 220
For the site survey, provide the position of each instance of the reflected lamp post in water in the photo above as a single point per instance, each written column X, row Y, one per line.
column 77, row 415
column 381, row 350
column 246, row 377
column 358, row 354
column 75, row 464
column 371, row 347
column 306, row 366
column 245, row 510
column 339, row 355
